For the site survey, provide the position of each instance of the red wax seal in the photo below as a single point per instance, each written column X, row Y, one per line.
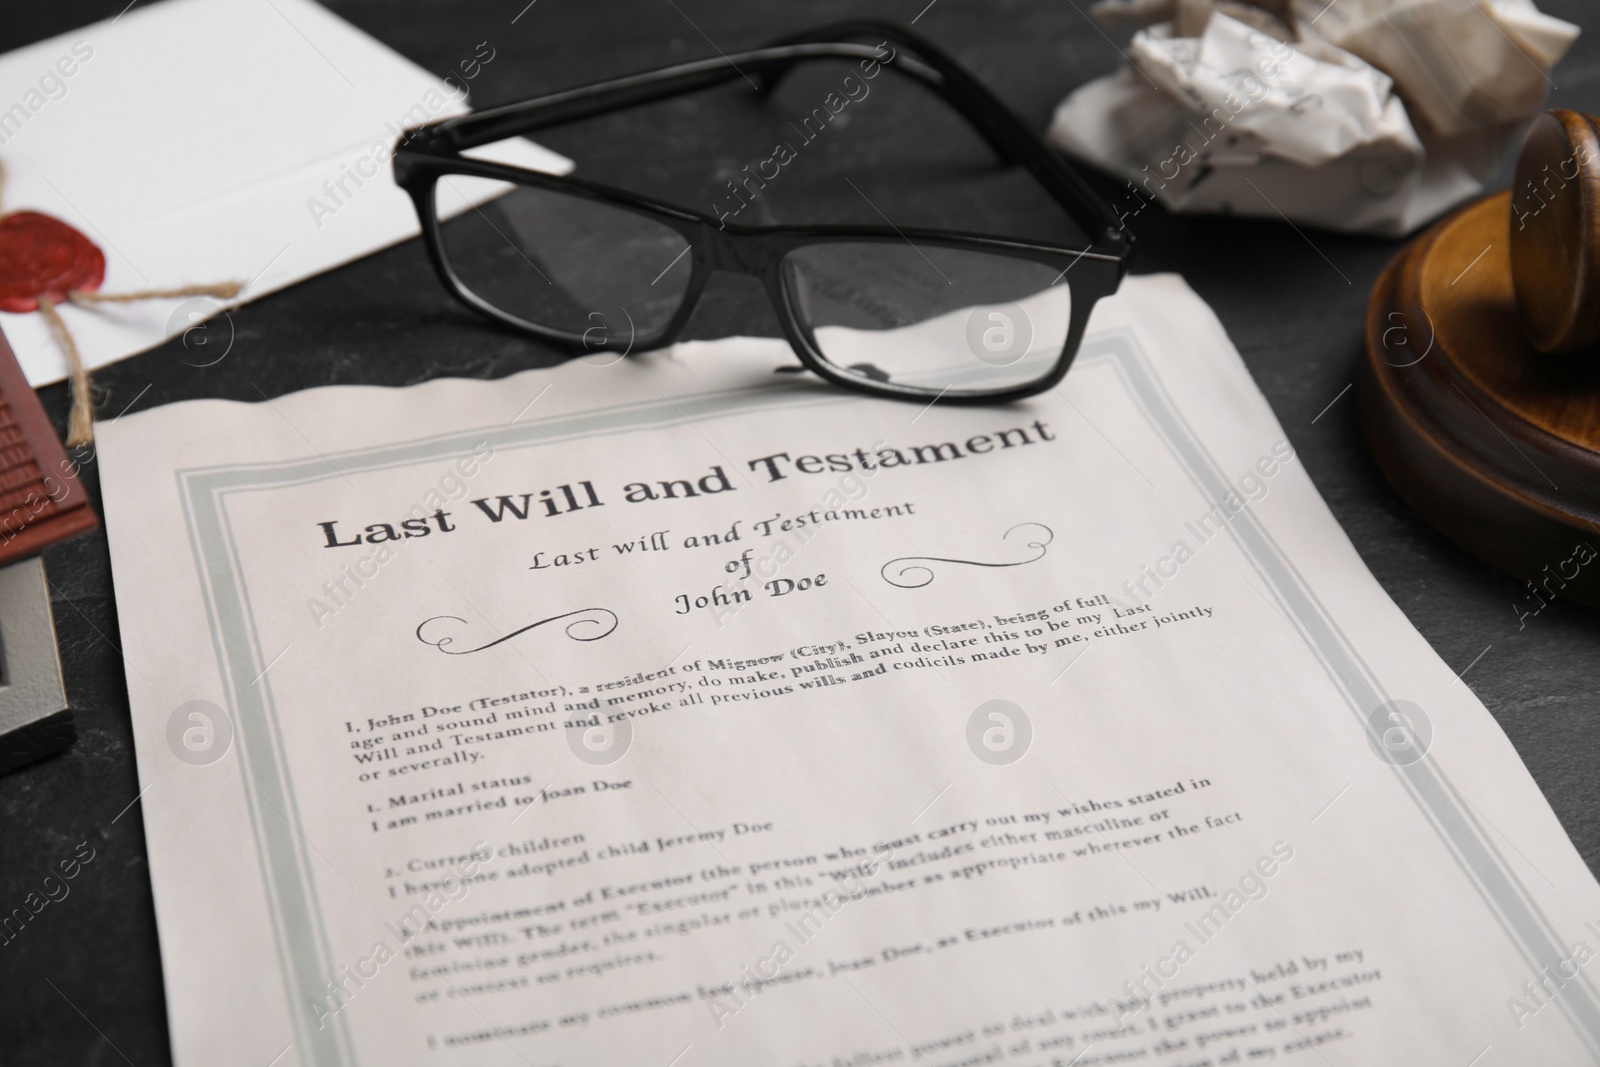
column 41, row 256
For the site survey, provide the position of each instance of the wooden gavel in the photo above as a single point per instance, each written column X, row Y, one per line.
column 1479, row 397
column 1555, row 233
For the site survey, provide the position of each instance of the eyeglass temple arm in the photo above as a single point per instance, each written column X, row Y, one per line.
column 990, row 117
column 1010, row 136
column 587, row 101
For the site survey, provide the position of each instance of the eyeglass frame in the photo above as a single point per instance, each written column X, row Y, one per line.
column 425, row 154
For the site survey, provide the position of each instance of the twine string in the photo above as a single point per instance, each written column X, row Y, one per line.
column 222, row 291
column 80, row 424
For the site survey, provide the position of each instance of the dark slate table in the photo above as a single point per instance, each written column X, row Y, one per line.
column 83, row 982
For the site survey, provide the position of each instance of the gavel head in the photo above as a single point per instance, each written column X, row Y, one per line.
column 1555, row 233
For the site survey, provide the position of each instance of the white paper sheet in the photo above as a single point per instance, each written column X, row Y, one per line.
column 1462, row 64
column 205, row 141
column 1317, row 130
column 1077, row 733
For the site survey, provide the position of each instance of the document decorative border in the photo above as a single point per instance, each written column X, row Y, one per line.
column 298, row 925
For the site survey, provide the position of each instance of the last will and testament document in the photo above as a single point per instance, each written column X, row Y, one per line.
column 673, row 712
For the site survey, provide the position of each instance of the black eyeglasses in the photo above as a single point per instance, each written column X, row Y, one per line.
column 910, row 313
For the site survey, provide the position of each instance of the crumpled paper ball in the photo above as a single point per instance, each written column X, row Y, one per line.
column 1288, row 114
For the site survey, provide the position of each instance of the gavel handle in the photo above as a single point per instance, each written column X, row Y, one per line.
column 1555, row 233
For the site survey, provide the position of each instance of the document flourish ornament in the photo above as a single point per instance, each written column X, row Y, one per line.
column 913, row 572
column 583, row 619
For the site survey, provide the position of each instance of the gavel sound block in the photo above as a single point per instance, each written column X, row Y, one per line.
column 1481, row 409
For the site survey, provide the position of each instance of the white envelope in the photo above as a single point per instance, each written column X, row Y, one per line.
column 206, row 141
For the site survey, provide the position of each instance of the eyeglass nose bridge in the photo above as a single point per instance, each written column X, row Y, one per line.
column 738, row 253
